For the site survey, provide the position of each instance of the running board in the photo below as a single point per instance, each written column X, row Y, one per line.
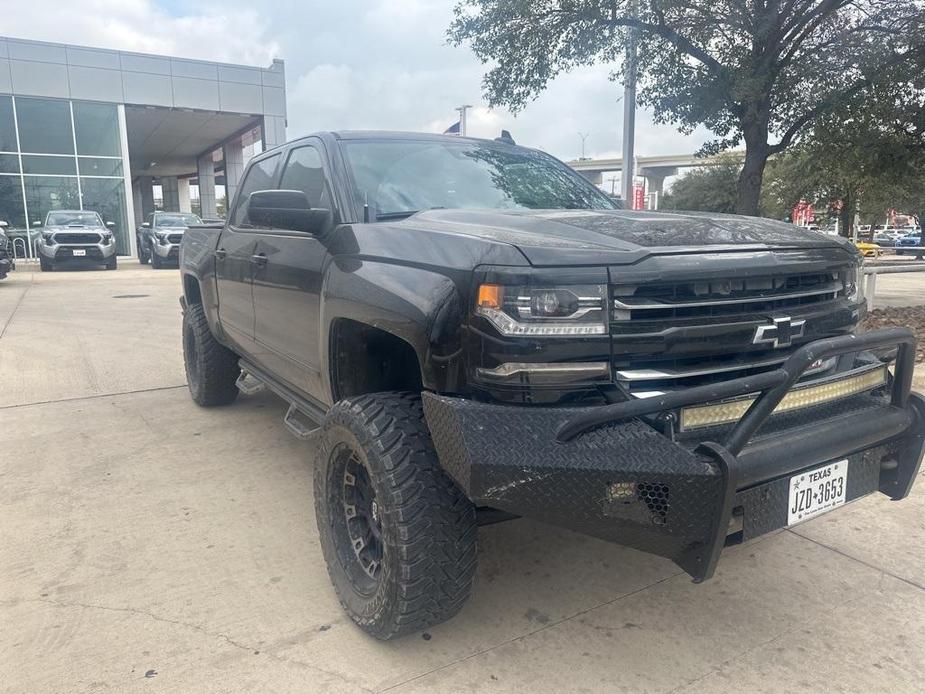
column 248, row 386
column 302, row 419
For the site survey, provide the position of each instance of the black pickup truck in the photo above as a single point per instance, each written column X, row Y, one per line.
column 469, row 331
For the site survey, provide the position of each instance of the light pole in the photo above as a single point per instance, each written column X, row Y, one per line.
column 583, row 136
column 629, row 115
column 462, row 118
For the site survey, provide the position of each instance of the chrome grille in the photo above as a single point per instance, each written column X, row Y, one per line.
column 716, row 298
column 670, row 335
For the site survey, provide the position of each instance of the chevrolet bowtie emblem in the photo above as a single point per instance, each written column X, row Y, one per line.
column 780, row 333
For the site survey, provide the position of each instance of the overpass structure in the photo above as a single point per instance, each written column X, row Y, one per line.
column 654, row 169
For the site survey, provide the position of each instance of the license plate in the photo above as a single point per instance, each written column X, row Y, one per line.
column 79, row 252
column 817, row 491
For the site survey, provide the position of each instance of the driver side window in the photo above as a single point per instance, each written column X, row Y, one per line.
column 258, row 177
column 304, row 172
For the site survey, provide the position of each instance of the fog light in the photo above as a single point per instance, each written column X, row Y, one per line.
column 810, row 394
column 621, row 491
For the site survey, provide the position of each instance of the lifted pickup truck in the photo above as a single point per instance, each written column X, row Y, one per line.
column 480, row 334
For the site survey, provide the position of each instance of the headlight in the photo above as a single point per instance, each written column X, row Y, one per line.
column 545, row 311
column 106, row 239
column 49, row 239
column 851, row 280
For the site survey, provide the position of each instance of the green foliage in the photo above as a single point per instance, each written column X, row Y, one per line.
column 709, row 189
column 761, row 73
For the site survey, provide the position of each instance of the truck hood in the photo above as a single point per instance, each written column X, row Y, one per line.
column 598, row 237
column 58, row 229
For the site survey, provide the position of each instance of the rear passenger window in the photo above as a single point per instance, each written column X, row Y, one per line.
column 303, row 172
column 258, row 177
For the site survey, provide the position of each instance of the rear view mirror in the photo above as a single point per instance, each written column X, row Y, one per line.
column 146, row 225
column 36, row 224
column 3, row 225
column 110, row 224
column 286, row 209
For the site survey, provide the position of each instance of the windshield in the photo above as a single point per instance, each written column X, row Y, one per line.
column 400, row 177
column 63, row 219
column 176, row 220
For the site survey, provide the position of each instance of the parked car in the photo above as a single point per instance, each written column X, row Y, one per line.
column 76, row 237
column 885, row 240
column 471, row 331
column 160, row 235
column 869, row 250
column 7, row 262
column 909, row 245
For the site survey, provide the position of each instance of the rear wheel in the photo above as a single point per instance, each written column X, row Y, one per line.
column 398, row 536
column 211, row 368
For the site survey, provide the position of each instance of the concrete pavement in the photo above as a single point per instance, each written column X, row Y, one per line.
column 147, row 545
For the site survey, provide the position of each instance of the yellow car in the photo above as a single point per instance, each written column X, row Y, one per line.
column 869, row 250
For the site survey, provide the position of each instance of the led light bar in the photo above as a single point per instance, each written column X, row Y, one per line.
column 807, row 395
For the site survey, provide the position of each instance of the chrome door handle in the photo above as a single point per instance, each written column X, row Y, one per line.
column 221, row 253
column 259, row 259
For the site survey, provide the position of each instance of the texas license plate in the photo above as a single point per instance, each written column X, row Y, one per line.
column 79, row 252
column 817, row 491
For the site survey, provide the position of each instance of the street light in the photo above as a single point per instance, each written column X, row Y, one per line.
column 583, row 136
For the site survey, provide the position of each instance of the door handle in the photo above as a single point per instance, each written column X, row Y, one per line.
column 259, row 259
column 221, row 253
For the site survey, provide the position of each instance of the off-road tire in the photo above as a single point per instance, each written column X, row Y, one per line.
column 156, row 262
column 112, row 264
column 428, row 527
column 45, row 266
column 211, row 368
column 143, row 256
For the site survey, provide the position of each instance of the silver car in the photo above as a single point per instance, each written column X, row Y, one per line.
column 76, row 237
column 160, row 235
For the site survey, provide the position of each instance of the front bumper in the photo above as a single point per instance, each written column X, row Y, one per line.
column 605, row 472
column 64, row 252
column 169, row 251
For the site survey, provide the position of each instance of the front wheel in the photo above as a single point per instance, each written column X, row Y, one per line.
column 45, row 265
column 398, row 536
column 156, row 262
column 211, row 368
column 111, row 264
column 143, row 255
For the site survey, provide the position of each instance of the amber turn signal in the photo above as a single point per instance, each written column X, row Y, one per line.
column 490, row 296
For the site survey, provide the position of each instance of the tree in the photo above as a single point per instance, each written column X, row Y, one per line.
column 709, row 189
column 754, row 71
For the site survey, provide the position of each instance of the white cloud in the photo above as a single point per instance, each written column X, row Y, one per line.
column 354, row 64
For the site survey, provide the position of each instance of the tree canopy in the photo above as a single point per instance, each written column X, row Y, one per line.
column 758, row 72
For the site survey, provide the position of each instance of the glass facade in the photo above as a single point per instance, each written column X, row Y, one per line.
column 57, row 154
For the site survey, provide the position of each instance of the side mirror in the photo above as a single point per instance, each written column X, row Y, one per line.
column 3, row 225
column 286, row 209
column 36, row 224
column 111, row 225
column 146, row 225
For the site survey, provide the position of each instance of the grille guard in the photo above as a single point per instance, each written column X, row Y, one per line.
column 772, row 386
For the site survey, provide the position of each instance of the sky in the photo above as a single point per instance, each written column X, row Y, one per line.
column 354, row 64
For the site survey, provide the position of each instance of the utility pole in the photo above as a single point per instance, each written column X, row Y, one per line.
column 583, row 136
column 462, row 118
column 629, row 115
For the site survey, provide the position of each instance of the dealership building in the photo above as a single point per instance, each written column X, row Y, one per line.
column 94, row 129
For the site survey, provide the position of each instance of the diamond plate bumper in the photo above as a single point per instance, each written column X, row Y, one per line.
column 625, row 482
